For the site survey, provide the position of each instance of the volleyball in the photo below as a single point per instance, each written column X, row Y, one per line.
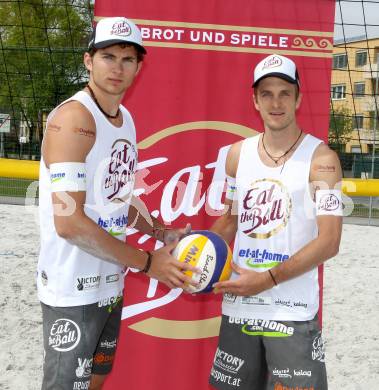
column 208, row 252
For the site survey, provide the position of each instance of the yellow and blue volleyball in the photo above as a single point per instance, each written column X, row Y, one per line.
column 208, row 252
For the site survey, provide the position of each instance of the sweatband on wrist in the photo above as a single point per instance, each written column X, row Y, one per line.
column 231, row 188
column 329, row 202
column 68, row 176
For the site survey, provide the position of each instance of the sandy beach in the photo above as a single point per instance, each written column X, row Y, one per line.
column 351, row 309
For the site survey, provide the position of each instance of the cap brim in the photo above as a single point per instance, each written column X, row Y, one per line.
column 280, row 75
column 102, row 45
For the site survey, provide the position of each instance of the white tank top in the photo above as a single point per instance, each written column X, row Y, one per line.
column 66, row 275
column 276, row 218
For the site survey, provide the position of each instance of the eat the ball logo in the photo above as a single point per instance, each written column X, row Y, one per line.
column 272, row 63
column 122, row 29
column 266, row 208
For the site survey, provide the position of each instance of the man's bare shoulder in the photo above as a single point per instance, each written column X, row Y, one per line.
column 74, row 112
column 70, row 134
column 324, row 155
column 235, row 149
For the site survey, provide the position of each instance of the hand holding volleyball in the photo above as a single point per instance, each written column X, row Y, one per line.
column 208, row 252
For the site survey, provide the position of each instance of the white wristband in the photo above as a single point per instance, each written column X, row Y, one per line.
column 68, row 176
column 231, row 188
column 329, row 202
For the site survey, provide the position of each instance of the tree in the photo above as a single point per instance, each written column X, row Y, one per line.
column 41, row 49
column 340, row 127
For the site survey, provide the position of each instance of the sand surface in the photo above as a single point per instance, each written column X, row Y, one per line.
column 351, row 308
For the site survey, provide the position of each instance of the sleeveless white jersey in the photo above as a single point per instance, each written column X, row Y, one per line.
column 276, row 218
column 66, row 275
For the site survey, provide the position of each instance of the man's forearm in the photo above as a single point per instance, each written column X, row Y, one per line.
column 310, row 256
column 226, row 227
column 143, row 221
column 89, row 237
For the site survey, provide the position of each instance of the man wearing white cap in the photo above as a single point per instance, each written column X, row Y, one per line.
column 87, row 174
column 283, row 208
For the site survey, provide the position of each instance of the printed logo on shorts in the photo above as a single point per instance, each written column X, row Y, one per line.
column 81, row 385
column 228, row 379
column 64, row 335
column 108, row 344
column 318, row 352
column 266, row 328
column 88, row 283
column 228, row 362
column 285, row 373
column 84, row 368
column 111, row 301
column 302, row 373
column 280, row 386
column 101, row 358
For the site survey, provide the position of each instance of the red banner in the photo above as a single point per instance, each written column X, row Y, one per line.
column 192, row 98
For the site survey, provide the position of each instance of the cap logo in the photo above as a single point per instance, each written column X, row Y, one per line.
column 121, row 29
column 273, row 62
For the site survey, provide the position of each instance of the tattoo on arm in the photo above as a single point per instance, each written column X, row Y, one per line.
column 85, row 132
column 53, row 127
column 78, row 130
column 325, row 168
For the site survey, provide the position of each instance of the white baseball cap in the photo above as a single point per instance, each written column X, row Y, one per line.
column 276, row 65
column 110, row 31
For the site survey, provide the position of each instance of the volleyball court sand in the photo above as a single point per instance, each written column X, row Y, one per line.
column 351, row 308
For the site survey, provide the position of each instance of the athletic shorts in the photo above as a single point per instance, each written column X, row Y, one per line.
column 79, row 341
column 269, row 355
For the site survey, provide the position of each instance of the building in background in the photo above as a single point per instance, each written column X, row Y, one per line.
column 354, row 91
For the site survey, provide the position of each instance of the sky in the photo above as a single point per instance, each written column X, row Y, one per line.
column 359, row 12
